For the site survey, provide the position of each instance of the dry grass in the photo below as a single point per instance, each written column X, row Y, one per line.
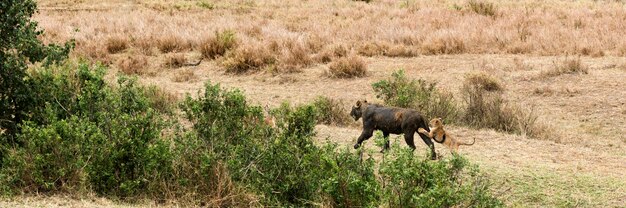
column 175, row 60
column 331, row 111
column 133, row 64
column 482, row 8
column 168, row 44
column 116, row 44
column 248, row 59
column 217, row 45
column 161, row 100
column 294, row 58
column 347, row 67
column 486, row 107
column 185, row 75
column 555, row 28
column 567, row 66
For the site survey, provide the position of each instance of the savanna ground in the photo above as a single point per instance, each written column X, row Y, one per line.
column 580, row 164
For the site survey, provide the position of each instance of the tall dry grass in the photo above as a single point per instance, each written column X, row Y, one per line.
column 379, row 28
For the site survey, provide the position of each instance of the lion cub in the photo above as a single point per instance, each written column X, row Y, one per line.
column 441, row 136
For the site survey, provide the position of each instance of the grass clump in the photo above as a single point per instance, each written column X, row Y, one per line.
column 567, row 66
column 133, row 64
column 486, row 108
column 116, row 44
column 248, row 59
column 424, row 96
column 218, row 45
column 331, row 111
column 347, row 67
column 482, row 8
column 175, row 60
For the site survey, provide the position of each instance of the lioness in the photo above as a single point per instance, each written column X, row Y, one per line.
column 441, row 136
column 390, row 120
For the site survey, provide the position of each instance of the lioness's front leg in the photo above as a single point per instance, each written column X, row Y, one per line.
column 365, row 135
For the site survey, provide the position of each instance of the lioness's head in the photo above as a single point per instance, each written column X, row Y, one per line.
column 436, row 122
column 357, row 110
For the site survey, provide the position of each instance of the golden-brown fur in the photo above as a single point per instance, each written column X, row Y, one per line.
column 437, row 133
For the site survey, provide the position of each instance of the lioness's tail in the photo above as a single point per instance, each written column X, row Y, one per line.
column 468, row 144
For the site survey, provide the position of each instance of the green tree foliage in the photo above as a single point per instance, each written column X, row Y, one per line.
column 20, row 47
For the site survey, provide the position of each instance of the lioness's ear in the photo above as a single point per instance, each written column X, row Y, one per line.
column 358, row 103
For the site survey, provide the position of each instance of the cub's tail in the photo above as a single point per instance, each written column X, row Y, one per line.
column 468, row 144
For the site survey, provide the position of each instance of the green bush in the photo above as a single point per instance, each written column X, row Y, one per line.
column 349, row 181
column 19, row 47
column 419, row 182
column 420, row 95
column 53, row 157
column 117, row 122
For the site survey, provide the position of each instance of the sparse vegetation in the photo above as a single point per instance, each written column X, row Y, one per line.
column 218, row 45
column 419, row 94
column 347, row 67
column 185, row 75
column 248, row 59
column 175, row 60
column 133, row 64
column 487, row 108
column 567, row 66
column 116, row 44
column 331, row 111
column 482, row 8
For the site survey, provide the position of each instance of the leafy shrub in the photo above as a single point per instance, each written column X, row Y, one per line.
column 77, row 113
column 347, row 67
column 19, row 47
column 218, row 45
column 53, row 157
column 349, row 181
column 421, row 95
column 331, row 111
column 419, row 182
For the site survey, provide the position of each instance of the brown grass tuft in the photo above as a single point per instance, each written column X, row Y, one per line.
column 567, row 66
column 443, row 43
column 331, row 111
column 133, row 64
column 217, row 45
column 486, row 108
column 347, row 67
column 175, row 60
column 185, row 75
column 171, row 43
column 483, row 81
column 373, row 49
column 295, row 57
column 161, row 100
column 116, row 44
column 482, row 8
column 247, row 59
